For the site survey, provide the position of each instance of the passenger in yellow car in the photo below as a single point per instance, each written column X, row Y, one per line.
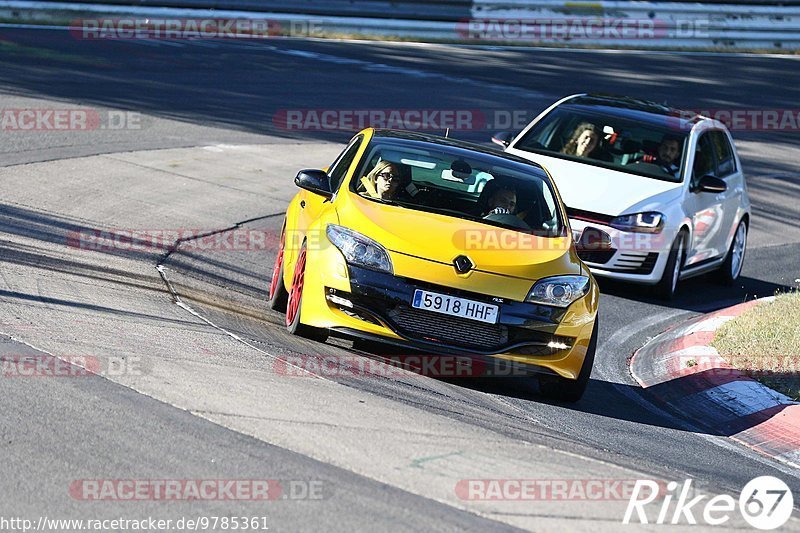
column 503, row 201
column 399, row 271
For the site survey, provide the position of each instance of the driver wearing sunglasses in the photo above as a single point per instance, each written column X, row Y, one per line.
column 389, row 180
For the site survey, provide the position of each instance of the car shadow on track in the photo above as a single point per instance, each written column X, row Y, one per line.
column 611, row 400
column 678, row 404
column 701, row 294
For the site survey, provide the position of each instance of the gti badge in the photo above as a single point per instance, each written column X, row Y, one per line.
column 463, row 264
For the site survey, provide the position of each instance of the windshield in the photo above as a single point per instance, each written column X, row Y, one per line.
column 459, row 183
column 605, row 140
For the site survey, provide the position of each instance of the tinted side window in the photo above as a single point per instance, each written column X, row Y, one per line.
column 703, row 159
column 726, row 164
column 340, row 167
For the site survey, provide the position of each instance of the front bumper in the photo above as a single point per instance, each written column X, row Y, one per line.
column 632, row 257
column 541, row 339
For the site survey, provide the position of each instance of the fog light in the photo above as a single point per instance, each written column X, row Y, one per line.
column 338, row 300
column 557, row 345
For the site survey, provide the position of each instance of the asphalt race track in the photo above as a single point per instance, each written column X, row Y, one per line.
column 209, row 397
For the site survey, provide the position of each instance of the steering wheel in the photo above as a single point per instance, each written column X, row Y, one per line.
column 645, row 160
column 508, row 220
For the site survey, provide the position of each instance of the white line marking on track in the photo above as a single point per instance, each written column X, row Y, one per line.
column 201, row 44
column 169, row 43
column 708, row 325
column 188, row 308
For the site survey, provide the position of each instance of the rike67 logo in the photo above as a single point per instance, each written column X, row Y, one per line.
column 765, row 503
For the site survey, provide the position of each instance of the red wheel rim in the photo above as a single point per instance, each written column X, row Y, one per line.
column 296, row 292
column 273, row 285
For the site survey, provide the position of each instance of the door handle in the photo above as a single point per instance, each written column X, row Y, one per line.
column 302, row 204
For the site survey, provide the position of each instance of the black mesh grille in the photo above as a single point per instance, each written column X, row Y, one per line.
column 649, row 263
column 430, row 326
column 599, row 257
column 636, row 264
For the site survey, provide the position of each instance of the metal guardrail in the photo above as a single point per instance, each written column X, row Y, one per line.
column 724, row 25
column 752, row 25
column 439, row 10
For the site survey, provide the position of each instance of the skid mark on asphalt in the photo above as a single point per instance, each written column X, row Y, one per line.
column 486, row 402
column 162, row 271
column 234, row 336
column 475, row 406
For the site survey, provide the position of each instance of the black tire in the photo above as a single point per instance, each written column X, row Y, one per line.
column 277, row 298
column 571, row 390
column 666, row 288
column 294, row 326
column 278, row 301
column 728, row 273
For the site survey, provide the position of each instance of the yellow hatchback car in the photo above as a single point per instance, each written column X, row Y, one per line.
column 441, row 246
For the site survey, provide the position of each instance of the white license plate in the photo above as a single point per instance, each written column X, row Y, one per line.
column 450, row 305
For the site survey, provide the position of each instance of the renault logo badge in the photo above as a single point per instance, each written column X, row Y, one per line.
column 463, row 264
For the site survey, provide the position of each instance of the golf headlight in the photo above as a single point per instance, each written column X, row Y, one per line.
column 359, row 249
column 650, row 222
column 560, row 291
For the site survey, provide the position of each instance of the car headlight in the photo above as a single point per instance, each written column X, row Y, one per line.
column 359, row 249
column 650, row 222
column 560, row 291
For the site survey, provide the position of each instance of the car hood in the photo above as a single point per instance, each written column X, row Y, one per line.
column 441, row 238
column 601, row 190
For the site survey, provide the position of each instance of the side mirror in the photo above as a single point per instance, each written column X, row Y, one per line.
column 316, row 181
column 503, row 138
column 712, row 184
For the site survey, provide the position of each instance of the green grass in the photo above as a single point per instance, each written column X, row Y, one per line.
column 764, row 342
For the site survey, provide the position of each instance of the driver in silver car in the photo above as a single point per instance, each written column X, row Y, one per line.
column 668, row 155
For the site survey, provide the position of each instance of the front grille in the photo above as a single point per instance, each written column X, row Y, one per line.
column 636, row 263
column 436, row 327
column 649, row 263
column 599, row 257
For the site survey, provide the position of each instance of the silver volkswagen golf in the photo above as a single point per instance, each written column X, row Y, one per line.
column 654, row 194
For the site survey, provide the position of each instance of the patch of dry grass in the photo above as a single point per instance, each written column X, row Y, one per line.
column 765, row 343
